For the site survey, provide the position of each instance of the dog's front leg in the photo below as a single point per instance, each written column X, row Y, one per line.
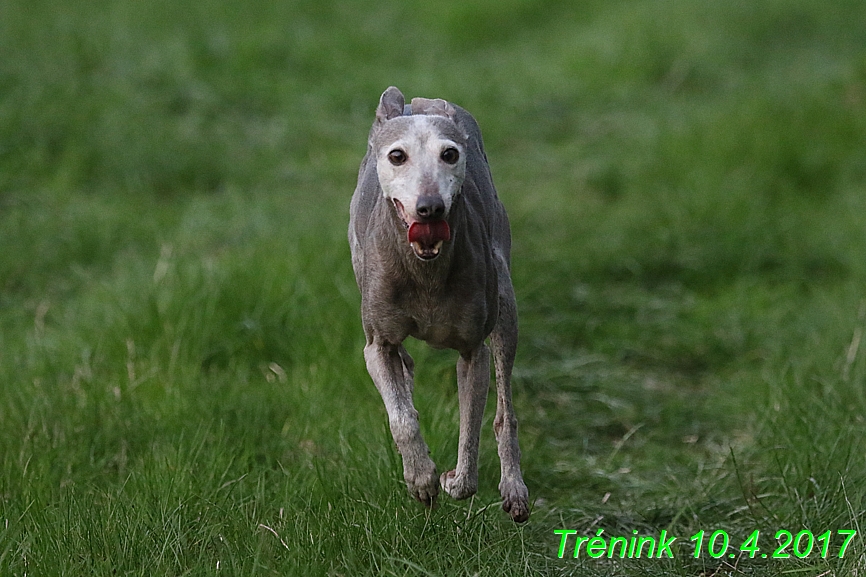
column 503, row 339
column 473, row 381
column 390, row 367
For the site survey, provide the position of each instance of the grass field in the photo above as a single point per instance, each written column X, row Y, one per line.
column 182, row 386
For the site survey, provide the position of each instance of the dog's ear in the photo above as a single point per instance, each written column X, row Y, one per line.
column 390, row 105
column 433, row 107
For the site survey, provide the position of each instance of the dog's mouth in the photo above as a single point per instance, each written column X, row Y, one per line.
column 425, row 238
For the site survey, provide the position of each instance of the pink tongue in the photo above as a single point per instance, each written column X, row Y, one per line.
column 429, row 233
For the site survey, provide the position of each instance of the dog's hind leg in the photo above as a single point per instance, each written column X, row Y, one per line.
column 391, row 368
column 503, row 340
column 473, row 382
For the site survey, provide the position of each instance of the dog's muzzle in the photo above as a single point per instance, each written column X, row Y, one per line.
column 425, row 237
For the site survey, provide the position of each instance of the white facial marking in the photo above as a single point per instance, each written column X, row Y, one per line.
column 420, row 169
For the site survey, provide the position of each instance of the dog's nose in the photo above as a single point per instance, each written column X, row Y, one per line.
column 430, row 207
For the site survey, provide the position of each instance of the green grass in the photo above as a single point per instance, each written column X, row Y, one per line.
column 183, row 387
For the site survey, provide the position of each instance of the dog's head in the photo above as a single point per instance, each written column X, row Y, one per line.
column 421, row 163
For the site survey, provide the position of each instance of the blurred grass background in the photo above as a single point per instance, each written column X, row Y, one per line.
column 183, row 389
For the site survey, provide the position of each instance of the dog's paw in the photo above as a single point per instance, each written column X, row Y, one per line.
column 459, row 487
column 515, row 499
column 423, row 482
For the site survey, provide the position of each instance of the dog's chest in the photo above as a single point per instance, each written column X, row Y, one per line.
column 451, row 318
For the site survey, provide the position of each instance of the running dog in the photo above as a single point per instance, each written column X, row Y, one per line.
column 431, row 245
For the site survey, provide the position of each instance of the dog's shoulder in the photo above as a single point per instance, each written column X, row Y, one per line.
column 468, row 124
column 479, row 187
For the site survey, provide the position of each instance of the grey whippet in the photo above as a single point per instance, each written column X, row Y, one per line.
column 431, row 253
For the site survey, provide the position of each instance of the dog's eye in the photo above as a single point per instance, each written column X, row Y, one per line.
column 450, row 155
column 397, row 157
